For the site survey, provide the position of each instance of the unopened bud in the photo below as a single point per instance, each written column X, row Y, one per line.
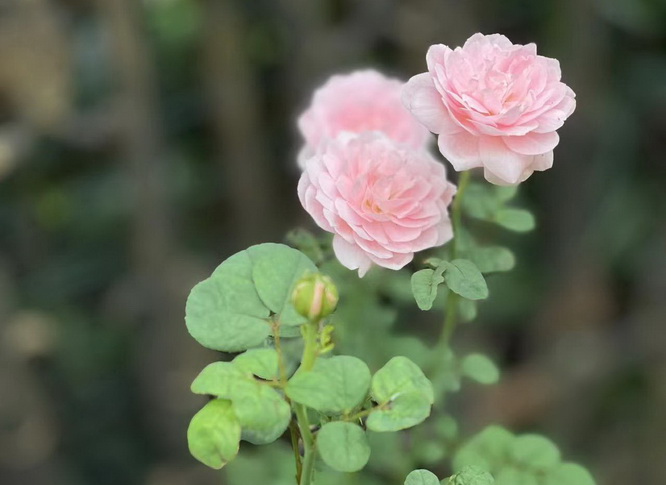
column 315, row 296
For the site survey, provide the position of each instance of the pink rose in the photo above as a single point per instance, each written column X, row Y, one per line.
column 381, row 199
column 358, row 102
column 493, row 104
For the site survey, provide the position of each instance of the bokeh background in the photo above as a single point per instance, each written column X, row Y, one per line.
column 142, row 142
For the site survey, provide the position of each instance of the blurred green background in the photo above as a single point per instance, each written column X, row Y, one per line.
column 142, row 142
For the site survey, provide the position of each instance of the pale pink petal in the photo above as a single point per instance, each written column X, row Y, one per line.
column 351, row 256
column 532, row 143
column 461, row 149
column 505, row 164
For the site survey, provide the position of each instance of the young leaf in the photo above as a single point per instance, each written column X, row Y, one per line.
column 424, row 287
column 334, row 386
column 343, row 446
column 422, row 477
column 214, row 434
column 518, row 220
column 464, row 278
column 480, row 368
column 262, row 363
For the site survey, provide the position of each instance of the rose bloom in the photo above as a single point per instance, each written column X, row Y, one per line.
column 358, row 102
column 493, row 104
column 381, row 199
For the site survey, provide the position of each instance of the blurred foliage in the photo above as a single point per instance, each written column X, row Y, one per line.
column 141, row 143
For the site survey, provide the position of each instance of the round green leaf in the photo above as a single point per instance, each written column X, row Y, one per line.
column 480, row 368
column 220, row 379
column 275, row 270
column 515, row 476
column 492, row 259
column 403, row 411
column 261, row 411
column 569, row 474
column 421, row 477
column 518, row 220
column 534, row 452
column 334, row 386
column 214, row 434
column 400, row 375
column 224, row 312
column 343, row 446
column 464, row 278
column 488, row 449
column 263, row 414
column 262, row 363
column 472, row 475
column 230, row 310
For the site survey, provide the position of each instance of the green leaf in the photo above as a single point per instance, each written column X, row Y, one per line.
column 343, row 446
column 220, row 379
column 261, row 411
column 515, row 476
column 569, row 474
column 471, row 475
column 488, row 450
column 403, row 411
column 400, row 375
column 464, row 278
column 263, row 414
column 230, row 310
column 262, row 363
column 480, row 368
column 491, row 259
column 214, row 434
column 334, row 386
column 468, row 310
column 276, row 269
column 534, row 451
column 224, row 312
column 422, row 477
column 424, row 287
column 518, row 220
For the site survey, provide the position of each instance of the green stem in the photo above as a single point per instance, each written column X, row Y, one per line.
column 451, row 316
column 310, row 353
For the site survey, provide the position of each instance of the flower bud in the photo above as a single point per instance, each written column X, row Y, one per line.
column 315, row 296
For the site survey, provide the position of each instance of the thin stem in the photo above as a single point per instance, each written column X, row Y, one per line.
column 451, row 316
column 310, row 353
column 309, row 451
column 293, row 433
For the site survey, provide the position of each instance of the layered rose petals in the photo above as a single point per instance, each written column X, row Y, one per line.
column 493, row 104
column 382, row 200
column 358, row 102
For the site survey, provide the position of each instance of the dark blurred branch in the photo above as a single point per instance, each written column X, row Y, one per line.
column 235, row 112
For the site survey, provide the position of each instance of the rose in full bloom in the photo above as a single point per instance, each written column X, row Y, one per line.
column 358, row 102
column 382, row 200
column 493, row 104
